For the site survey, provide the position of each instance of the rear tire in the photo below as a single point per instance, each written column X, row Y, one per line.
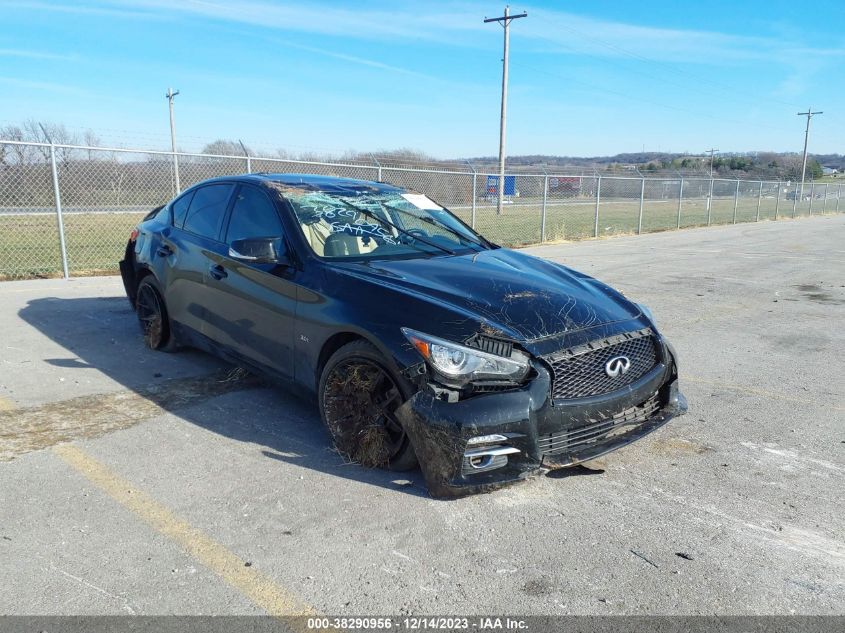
column 153, row 317
column 358, row 396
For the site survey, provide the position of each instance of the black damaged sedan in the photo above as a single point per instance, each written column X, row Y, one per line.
column 423, row 342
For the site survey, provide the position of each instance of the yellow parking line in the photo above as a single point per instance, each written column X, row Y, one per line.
column 757, row 392
column 6, row 404
column 274, row 599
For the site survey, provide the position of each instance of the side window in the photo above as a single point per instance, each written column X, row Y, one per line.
column 253, row 216
column 207, row 209
column 180, row 209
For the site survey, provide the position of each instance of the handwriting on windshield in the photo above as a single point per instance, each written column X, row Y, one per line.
column 363, row 229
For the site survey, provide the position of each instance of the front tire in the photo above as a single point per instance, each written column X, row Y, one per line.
column 153, row 317
column 358, row 397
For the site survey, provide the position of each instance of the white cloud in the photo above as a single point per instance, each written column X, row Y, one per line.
column 31, row 54
column 461, row 24
column 42, row 85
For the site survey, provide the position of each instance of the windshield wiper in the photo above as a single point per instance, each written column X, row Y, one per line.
column 435, row 222
column 384, row 222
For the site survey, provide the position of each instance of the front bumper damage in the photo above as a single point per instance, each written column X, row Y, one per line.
column 525, row 431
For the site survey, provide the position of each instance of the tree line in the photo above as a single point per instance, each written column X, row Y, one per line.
column 751, row 165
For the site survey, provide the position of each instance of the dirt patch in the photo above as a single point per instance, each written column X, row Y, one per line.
column 818, row 294
column 488, row 329
column 34, row 428
column 676, row 445
column 538, row 587
column 153, row 332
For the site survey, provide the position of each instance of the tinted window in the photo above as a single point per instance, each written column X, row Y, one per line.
column 253, row 216
column 207, row 210
column 180, row 208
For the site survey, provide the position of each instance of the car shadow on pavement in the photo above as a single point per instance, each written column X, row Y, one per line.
column 101, row 334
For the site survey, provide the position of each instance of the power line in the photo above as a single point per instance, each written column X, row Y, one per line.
column 731, row 91
column 630, row 97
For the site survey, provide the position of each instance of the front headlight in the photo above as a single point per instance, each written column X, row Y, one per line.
column 460, row 364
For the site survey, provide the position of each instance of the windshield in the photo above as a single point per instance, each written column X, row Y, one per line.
column 357, row 224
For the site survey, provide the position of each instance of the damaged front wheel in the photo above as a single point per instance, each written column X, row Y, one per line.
column 358, row 398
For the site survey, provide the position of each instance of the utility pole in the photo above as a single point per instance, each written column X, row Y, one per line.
column 809, row 114
column 711, row 152
column 505, row 21
column 170, row 94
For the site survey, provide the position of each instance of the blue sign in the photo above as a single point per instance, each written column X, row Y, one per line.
column 493, row 185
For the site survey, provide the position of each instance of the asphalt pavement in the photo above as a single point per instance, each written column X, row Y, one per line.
column 135, row 482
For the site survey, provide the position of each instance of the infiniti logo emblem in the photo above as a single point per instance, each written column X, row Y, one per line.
column 617, row 366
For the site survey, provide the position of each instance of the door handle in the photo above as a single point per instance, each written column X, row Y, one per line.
column 217, row 271
column 164, row 251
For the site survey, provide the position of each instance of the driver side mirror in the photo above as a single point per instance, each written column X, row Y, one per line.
column 260, row 250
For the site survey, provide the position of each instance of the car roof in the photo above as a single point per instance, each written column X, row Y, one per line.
column 313, row 181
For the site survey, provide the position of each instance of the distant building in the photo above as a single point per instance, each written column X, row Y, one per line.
column 829, row 171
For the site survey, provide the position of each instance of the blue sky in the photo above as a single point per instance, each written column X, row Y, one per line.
column 586, row 78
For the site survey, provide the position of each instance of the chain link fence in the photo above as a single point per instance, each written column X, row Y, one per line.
column 68, row 210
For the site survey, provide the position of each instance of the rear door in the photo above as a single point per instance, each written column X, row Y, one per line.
column 253, row 306
column 198, row 223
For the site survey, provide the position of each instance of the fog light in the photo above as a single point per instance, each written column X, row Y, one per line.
column 486, row 458
column 486, row 439
column 480, row 461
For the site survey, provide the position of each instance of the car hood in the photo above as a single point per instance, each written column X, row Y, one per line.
column 517, row 295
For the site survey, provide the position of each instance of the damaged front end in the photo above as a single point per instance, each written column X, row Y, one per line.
column 484, row 435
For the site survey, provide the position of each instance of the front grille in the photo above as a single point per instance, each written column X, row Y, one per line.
column 580, row 371
column 565, row 441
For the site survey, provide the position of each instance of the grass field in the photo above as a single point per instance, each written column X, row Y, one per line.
column 29, row 243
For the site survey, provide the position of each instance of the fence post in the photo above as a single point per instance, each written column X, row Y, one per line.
column 543, row 217
column 378, row 164
column 812, row 195
column 736, row 199
column 795, row 201
column 777, row 201
column 474, row 195
column 246, row 154
column 838, row 195
column 59, row 220
column 598, row 198
column 759, row 199
column 680, row 201
column 824, row 204
column 177, row 184
column 642, row 198
column 709, row 201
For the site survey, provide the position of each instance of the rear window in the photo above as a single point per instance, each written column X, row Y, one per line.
column 207, row 209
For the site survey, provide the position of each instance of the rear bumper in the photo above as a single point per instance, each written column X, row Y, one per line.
column 128, row 272
column 538, row 432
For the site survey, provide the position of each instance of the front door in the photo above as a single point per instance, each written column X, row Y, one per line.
column 253, row 306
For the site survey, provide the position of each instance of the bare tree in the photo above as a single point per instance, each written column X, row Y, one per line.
column 225, row 147
column 91, row 139
column 116, row 174
column 20, row 154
